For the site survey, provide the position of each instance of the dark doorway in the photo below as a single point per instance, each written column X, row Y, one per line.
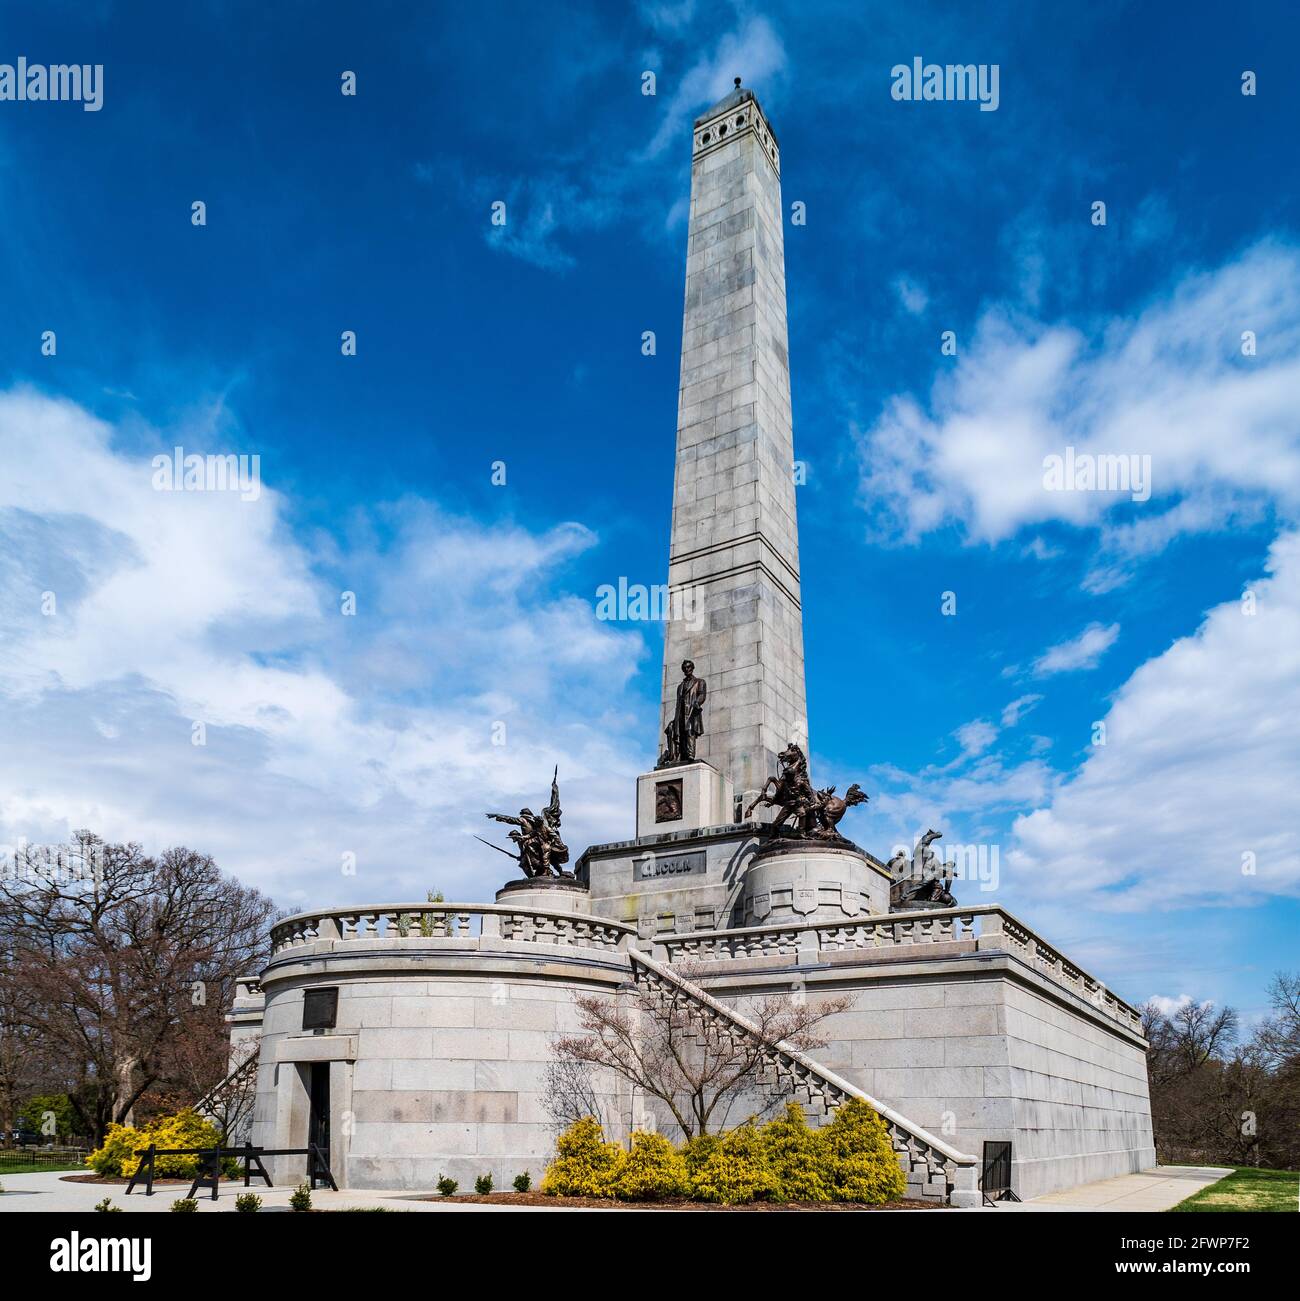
column 318, row 1125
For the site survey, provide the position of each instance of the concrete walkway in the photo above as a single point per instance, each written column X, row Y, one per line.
column 1152, row 1190
column 50, row 1191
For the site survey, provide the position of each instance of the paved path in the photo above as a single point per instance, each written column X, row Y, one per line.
column 49, row 1191
column 1152, row 1190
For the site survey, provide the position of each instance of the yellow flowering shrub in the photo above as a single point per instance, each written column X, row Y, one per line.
column 736, row 1170
column 798, row 1157
column 118, row 1147
column 185, row 1129
column 653, row 1169
column 585, row 1165
column 697, row 1151
column 862, row 1164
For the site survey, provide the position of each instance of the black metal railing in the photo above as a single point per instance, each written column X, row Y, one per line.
column 210, row 1159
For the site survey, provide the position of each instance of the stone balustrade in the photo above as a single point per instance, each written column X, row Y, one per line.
column 986, row 927
column 983, row 927
column 449, row 921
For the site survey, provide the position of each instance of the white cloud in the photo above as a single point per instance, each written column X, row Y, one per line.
column 1221, row 428
column 975, row 737
column 913, row 297
column 325, row 734
column 1168, row 1006
column 1081, row 652
column 1018, row 708
column 1198, row 775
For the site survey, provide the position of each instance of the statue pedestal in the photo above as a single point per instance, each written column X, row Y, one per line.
column 696, row 793
column 809, row 881
column 550, row 893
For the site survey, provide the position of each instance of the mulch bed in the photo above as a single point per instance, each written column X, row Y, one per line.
column 119, row 1179
column 675, row 1204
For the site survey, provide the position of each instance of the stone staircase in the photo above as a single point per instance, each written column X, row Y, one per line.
column 936, row 1171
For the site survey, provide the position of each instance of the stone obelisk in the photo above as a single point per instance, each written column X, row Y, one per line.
column 735, row 545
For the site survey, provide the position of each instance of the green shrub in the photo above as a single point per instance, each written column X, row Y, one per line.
column 248, row 1202
column 185, row 1204
column 447, row 1186
column 106, row 1205
column 653, row 1170
column 301, row 1199
column 523, row 1182
column 736, row 1170
column 483, row 1185
column 585, row 1165
column 35, row 1116
column 862, row 1164
column 798, row 1157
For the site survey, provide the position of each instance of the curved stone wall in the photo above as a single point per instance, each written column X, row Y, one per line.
column 438, row 1052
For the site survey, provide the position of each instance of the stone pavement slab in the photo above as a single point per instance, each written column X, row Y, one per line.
column 1157, row 1189
column 49, row 1191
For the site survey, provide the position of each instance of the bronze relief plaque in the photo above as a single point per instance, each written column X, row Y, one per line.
column 668, row 800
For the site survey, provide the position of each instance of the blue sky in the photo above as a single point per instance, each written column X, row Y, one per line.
column 373, row 735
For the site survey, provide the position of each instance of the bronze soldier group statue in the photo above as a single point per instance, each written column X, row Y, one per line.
column 541, row 850
column 923, row 881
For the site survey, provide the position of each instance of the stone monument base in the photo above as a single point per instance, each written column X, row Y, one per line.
column 551, row 893
column 685, row 797
column 812, row 880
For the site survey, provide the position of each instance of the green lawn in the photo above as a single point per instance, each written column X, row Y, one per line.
column 22, row 1163
column 1248, row 1190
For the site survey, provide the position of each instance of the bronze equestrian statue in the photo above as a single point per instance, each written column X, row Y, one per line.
column 811, row 814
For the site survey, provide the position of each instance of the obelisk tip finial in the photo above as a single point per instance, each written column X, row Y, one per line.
column 737, row 83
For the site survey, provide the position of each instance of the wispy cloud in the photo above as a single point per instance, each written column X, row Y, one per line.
column 1081, row 652
column 1018, row 708
column 753, row 52
column 1220, row 428
column 913, row 297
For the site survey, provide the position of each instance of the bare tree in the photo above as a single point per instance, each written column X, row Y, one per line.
column 123, row 966
column 1217, row 1099
column 658, row 1046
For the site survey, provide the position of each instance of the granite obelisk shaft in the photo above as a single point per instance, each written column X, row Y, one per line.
column 735, row 546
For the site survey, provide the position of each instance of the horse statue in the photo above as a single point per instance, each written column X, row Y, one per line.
column 791, row 795
column 831, row 808
column 814, row 814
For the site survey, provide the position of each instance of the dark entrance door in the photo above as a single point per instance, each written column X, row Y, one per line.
column 318, row 1125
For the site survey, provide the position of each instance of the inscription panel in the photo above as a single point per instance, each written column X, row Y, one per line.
column 659, row 867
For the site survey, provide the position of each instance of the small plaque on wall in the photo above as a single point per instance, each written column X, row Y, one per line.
column 668, row 800
column 320, row 1008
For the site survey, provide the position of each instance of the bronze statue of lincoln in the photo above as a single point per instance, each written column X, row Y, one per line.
column 688, row 719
